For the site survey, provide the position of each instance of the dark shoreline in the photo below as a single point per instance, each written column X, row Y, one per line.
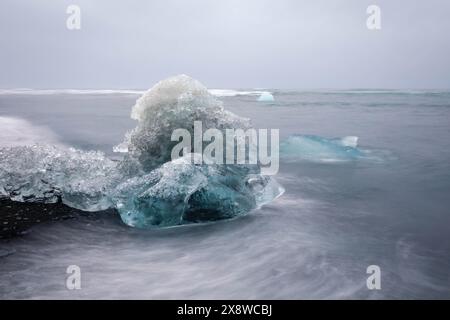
column 17, row 218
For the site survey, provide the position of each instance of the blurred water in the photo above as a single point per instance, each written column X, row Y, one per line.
column 316, row 241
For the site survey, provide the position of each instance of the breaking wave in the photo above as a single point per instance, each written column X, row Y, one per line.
column 19, row 132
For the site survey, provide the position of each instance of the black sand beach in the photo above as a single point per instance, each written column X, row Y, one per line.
column 17, row 218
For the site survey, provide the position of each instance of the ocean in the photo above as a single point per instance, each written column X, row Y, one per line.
column 336, row 217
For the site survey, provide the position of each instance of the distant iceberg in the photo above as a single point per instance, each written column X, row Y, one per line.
column 147, row 188
column 266, row 97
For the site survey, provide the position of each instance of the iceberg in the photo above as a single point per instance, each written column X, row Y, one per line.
column 147, row 187
column 319, row 149
column 266, row 97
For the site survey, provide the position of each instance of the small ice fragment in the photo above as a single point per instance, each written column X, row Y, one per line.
column 266, row 97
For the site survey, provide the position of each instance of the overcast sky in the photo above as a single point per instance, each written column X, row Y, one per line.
column 225, row 43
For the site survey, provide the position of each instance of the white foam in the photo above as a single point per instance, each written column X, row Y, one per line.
column 234, row 93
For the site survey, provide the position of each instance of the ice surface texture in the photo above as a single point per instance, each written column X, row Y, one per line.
column 146, row 187
column 172, row 104
column 180, row 192
column 41, row 173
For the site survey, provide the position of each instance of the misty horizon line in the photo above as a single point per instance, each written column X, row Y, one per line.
column 305, row 89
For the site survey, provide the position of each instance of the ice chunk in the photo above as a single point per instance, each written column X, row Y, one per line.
column 319, row 149
column 146, row 187
column 45, row 174
column 174, row 103
column 266, row 97
column 180, row 192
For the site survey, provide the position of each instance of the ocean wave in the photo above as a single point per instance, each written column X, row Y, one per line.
column 147, row 188
column 19, row 132
column 381, row 92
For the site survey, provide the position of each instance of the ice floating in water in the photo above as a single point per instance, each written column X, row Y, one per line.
column 319, row 149
column 266, row 97
column 146, row 187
